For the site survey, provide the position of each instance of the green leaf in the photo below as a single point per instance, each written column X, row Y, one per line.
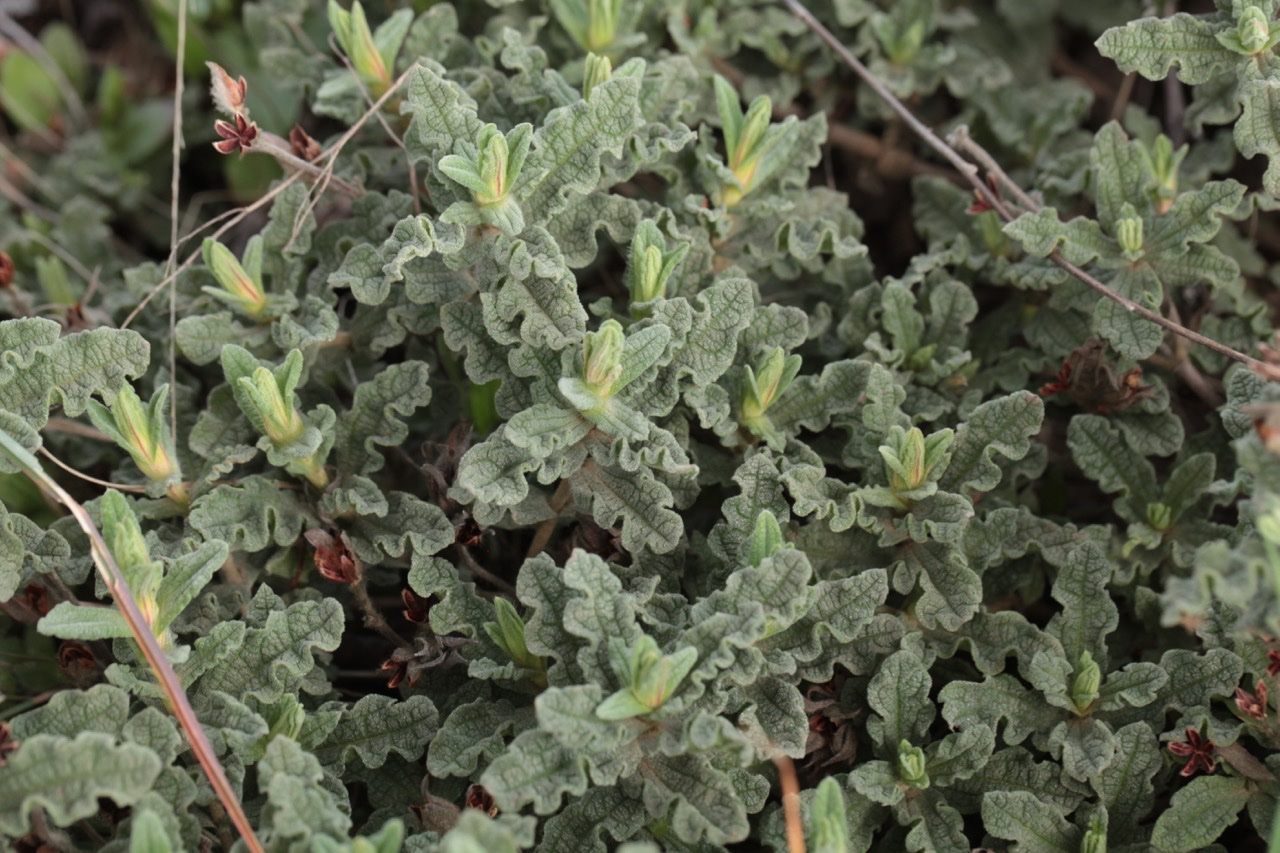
column 376, row 726
column 1199, row 813
column 1124, row 786
column 1102, row 454
column 535, row 770
column 1151, row 46
column 40, row 369
column 1088, row 613
column 186, row 577
column 377, row 414
column 706, row 804
column 65, row 777
column 1003, row 425
column 251, row 516
column 899, row 694
column 1196, row 679
column 101, row 708
column 966, row 703
column 84, row 622
column 579, row 827
column 776, row 717
column 1255, row 131
column 278, row 657
column 472, row 733
column 1021, row 817
column 1087, row 746
column 642, row 504
column 299, row 808
column 567, row 148
column 951, row 592
column 1129, row 334
column 442, row 113
column 536, row 299
column 25, row 547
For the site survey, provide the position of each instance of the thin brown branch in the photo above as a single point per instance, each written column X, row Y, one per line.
column 542, row 535
column 970, row 172
column 373, row 618
column 479, row 571
column 890, row 162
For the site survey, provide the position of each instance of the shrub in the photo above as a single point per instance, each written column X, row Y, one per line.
column 612, row 420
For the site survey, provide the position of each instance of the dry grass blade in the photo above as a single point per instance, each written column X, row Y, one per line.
column 790, row 802
column 156, row 659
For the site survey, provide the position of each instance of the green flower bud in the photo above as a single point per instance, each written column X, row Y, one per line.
column 1095, row 838
column 602, row 358
column 598, row 69
column 1085, row 686
column 124, row 539
column 602, row 24
column 593, row 24
column 493, row 165
column 828, row 820
column 508, row 634
column 911, row 766
column 1253, row 30
column 280, row 418
column 649, row 677
column 1162, row 164
column 650, row 266
column 1268, row 524
column 285, row 719
column 142, row 431
column 351, row 29
column 241, row 287
column 767, row 382
column 766, row 538
column 747, row 139
column 1160, row 516
column 1129, row 232
column 489, row 167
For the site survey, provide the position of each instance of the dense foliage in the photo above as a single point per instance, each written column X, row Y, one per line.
column 612, row 410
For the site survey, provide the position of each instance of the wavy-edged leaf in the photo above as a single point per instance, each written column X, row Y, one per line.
column 1004, row 426
column 1151, row 46
column 65, row 777
column 471, row 734
column 899, row 694
column 101, row 708
column 566, row 150
column 250, row 516
column 1199, row 813
column 279, row 656
column 1088, row 613
column 377, row 414
column 1124, row 786
column 1021, row 817
column 1104, row 457
column 41, row 369
column 641, row 503
column 535, row 770
column 376, row 726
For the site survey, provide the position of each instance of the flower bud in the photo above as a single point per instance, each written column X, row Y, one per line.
column 1129, row 232
column 1085, row 686
column 241, row 287
column 598, row 69
column 602, row 358
column 1254, row 30
column 911, row 766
